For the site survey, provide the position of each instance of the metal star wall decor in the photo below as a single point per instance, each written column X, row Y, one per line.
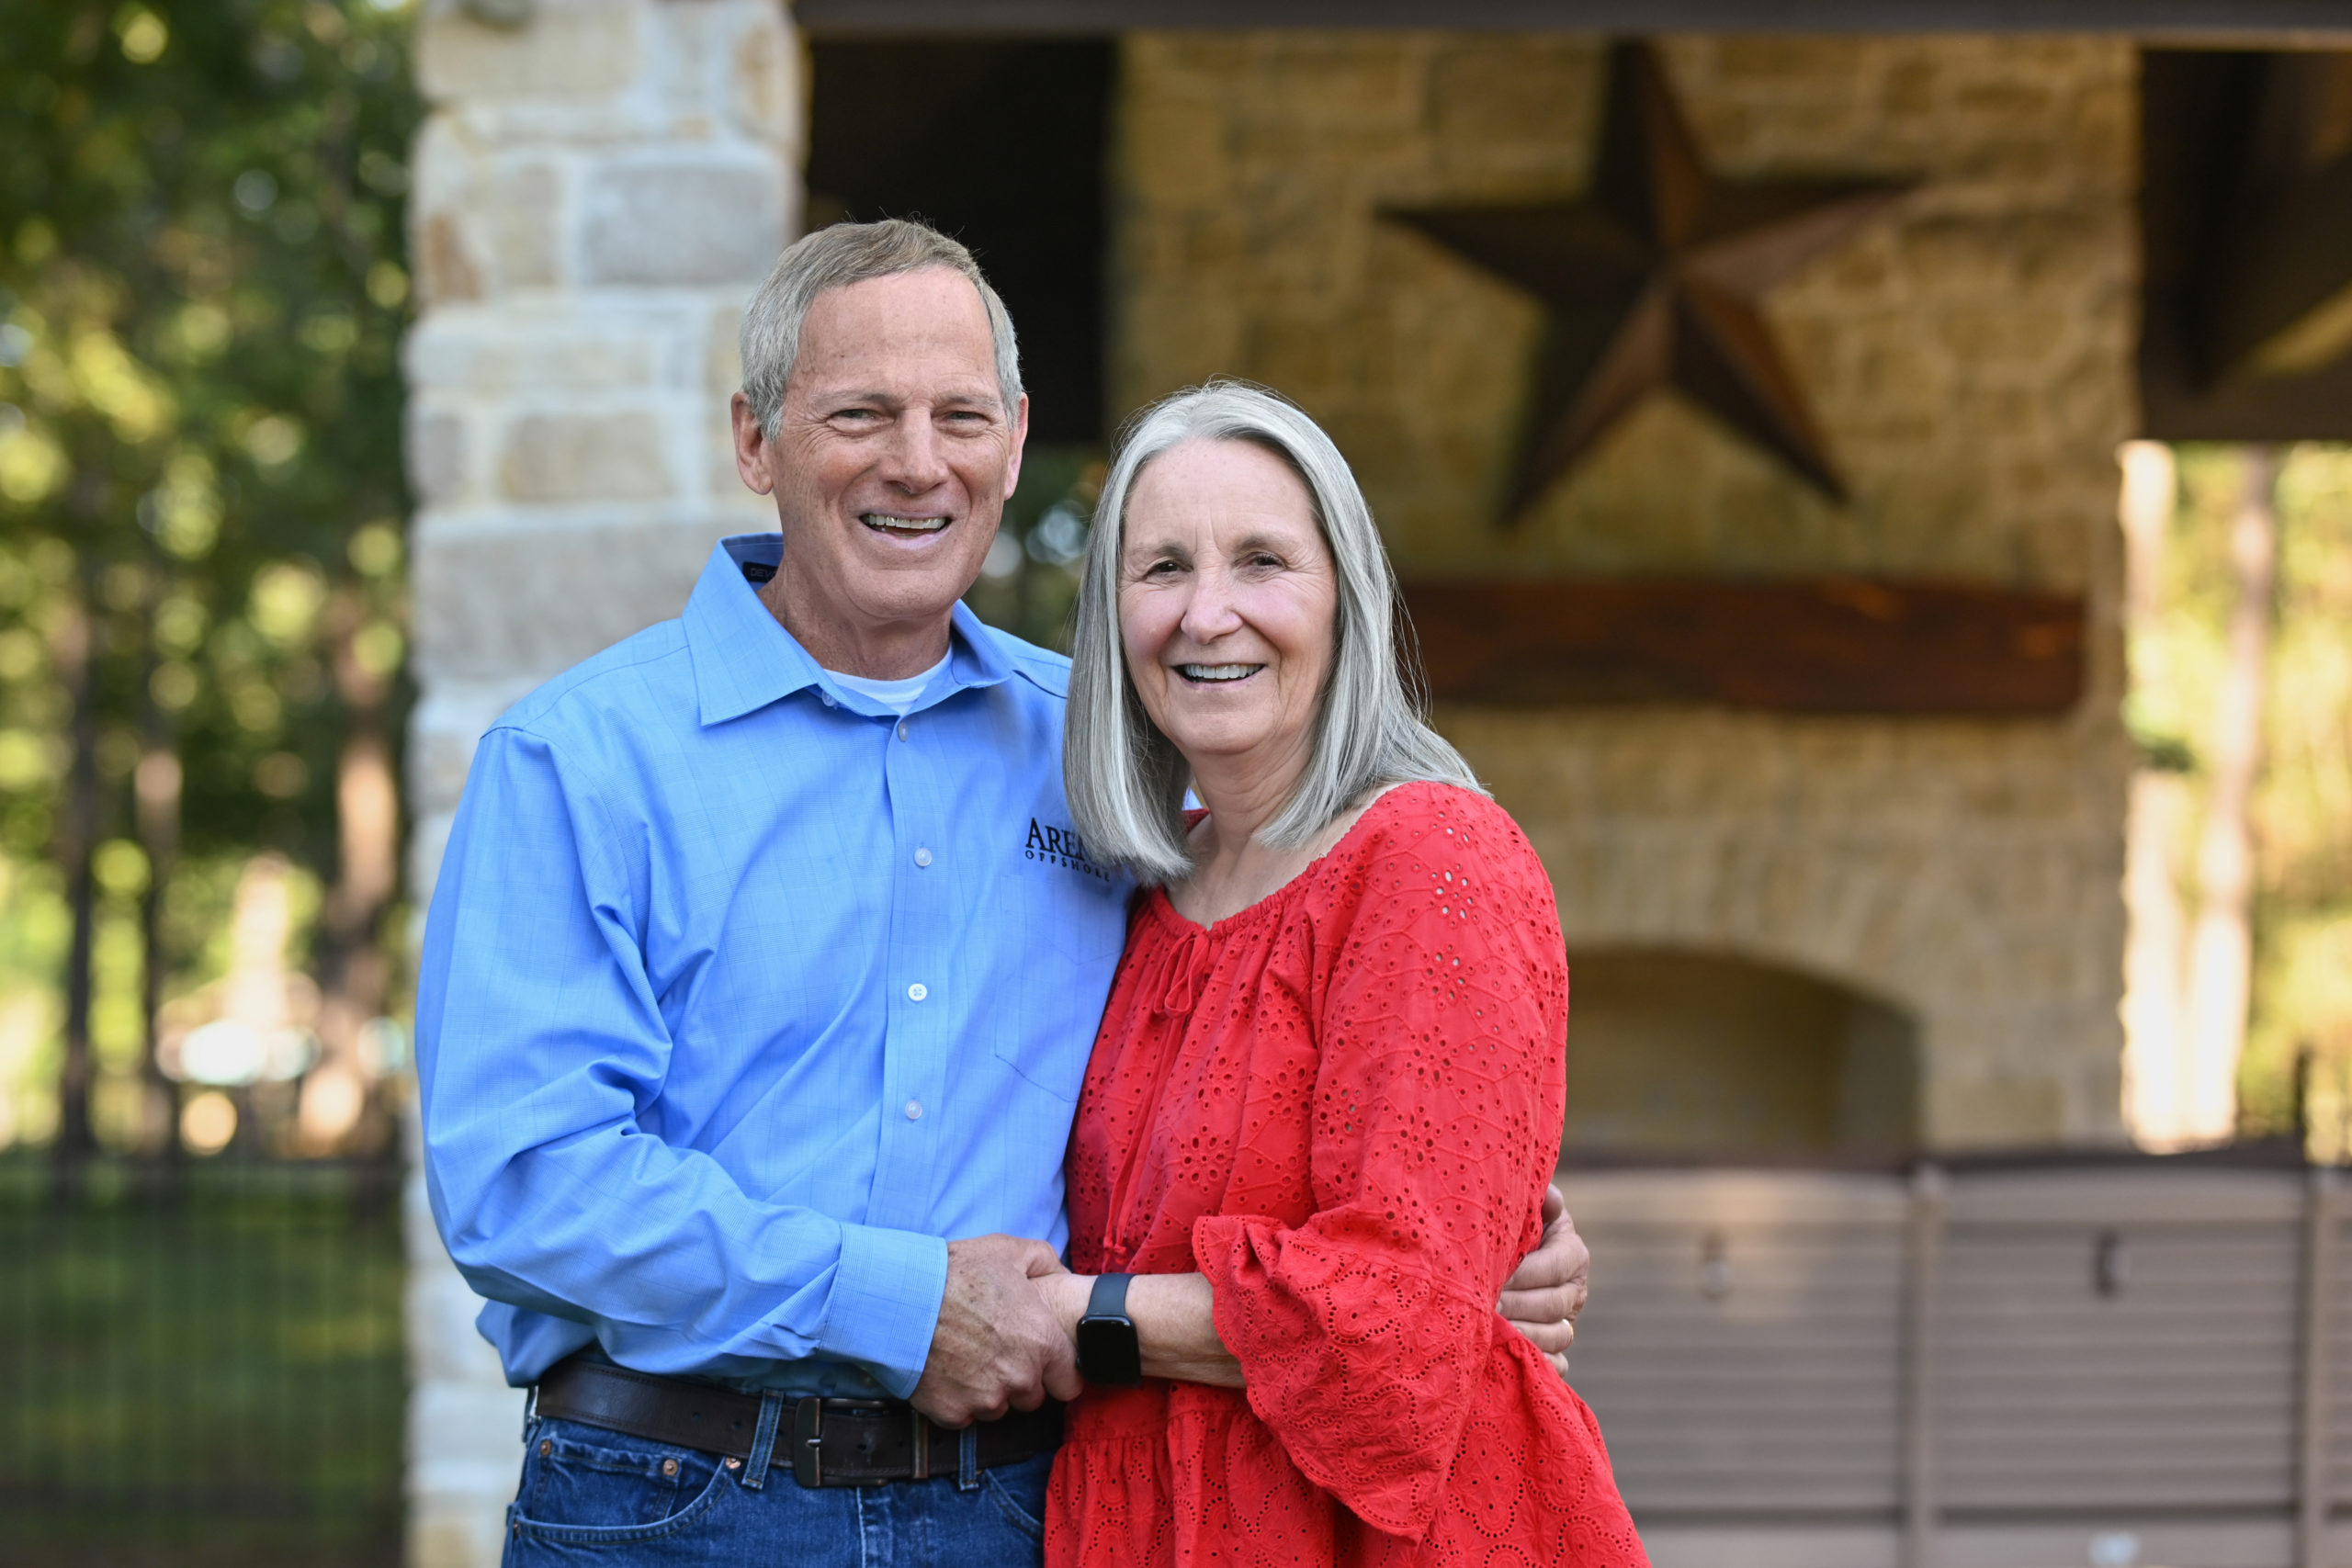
column 1652, row 280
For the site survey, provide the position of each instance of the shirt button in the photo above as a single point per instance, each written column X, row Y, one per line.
column 826, row 698
column 923, row 857
column 902, row 729
column 914, row 1110
column 917, row 991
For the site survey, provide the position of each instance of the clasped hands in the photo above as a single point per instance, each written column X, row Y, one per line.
column 1005, row 1338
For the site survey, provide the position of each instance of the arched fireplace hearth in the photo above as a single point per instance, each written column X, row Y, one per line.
column 1680, row 1052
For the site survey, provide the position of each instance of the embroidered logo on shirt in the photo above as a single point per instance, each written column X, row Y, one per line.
column 1059, row 846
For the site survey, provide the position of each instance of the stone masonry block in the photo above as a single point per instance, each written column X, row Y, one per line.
column 442, row 1345
column 503, row 352
column 446, row 267
column 461, row 1532
column 723, row 351
column 1507, row 94
column 443, row 730
column 435, row 450
column 428, row 837
column 570, row 48
column 465, row 1453
column 448, row 262
column 525, row 224
column 533, row 600
column 588, row 457
column 682, row 221
column 763, row 74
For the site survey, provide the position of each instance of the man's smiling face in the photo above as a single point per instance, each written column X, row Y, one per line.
column 891, row 468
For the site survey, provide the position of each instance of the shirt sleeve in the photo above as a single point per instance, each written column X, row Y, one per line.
column 1364, row 1334
column 541, row 1050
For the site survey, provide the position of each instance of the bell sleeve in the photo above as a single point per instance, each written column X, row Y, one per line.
column 1440, row 1016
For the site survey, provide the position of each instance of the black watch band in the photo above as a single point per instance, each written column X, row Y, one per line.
column 1108, row 1352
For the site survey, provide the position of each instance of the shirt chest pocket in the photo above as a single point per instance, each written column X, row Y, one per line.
column 1061, row 930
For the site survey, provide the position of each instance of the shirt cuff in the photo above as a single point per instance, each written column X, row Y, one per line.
column 885, row 1302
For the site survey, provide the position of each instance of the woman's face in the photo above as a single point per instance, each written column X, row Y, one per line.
column 1227, row 601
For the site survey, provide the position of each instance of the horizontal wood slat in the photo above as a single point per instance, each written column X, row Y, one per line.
column 2166, row 1351
column 1747, row 1343
column 2106, row 1197
column 1826, row 646
column 1744, row 1351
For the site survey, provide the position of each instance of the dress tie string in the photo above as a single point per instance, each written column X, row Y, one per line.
column 1187, row 969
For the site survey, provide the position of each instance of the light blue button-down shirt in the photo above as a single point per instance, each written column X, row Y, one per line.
column 741, row 994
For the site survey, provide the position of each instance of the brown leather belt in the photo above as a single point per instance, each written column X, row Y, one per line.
column 829, row 1442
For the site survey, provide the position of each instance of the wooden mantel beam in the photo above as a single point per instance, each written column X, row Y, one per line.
column 1822, row 646
column 2271, row 24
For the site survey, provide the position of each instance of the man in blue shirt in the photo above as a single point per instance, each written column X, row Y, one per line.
column 759, row 980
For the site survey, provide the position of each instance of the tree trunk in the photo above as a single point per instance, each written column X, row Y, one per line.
column 2153, row 984
column 332, row 1113
column 2220, row 953
column 2155, row 952
column 77, row 839
column 157, row 787
column 2155, row 1058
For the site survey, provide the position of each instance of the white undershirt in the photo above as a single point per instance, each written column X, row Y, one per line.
column 898, row 696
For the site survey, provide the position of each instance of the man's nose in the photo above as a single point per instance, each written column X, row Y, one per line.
column 916, row 461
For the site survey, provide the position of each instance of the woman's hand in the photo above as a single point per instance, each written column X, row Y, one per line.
column 1542, row 1299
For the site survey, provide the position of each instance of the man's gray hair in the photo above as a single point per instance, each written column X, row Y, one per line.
column 1126, row 779
column 835, row 258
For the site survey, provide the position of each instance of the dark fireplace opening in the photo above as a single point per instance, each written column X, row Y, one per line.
column 1001, row 144
column 1685, row 1053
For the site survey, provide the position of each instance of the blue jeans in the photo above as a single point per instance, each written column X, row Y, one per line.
column 589, row 1496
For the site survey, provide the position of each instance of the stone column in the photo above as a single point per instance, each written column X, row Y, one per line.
column 599, row 186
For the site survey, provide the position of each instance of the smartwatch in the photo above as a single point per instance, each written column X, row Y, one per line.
column 1108, row 1353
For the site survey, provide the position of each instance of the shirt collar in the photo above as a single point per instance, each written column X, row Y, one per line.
column 744, row 658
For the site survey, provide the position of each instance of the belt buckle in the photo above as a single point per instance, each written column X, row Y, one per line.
column 809, row 1441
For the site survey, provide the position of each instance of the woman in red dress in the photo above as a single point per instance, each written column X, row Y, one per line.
column 1326, row 1096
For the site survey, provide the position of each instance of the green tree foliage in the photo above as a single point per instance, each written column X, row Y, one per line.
column 203, row 291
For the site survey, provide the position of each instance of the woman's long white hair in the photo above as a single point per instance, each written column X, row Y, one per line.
column 1126, row 779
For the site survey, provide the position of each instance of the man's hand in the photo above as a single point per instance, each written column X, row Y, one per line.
column 1543, row 1299
column 996, row 1347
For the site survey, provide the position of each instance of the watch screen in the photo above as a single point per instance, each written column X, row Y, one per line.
column 1107, row 1353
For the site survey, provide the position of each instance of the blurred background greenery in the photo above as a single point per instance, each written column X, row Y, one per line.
column 202, row 293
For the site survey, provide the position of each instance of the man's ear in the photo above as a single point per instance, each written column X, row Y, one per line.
column 753, row 446
column 1020, row 439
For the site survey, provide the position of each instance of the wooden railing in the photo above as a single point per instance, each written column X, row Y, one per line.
column 2114, row 1363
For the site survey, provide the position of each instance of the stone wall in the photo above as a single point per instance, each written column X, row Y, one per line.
column 1969, row 357
column 597, row 191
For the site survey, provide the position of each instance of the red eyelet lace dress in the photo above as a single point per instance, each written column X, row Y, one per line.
column 1341, row 1105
